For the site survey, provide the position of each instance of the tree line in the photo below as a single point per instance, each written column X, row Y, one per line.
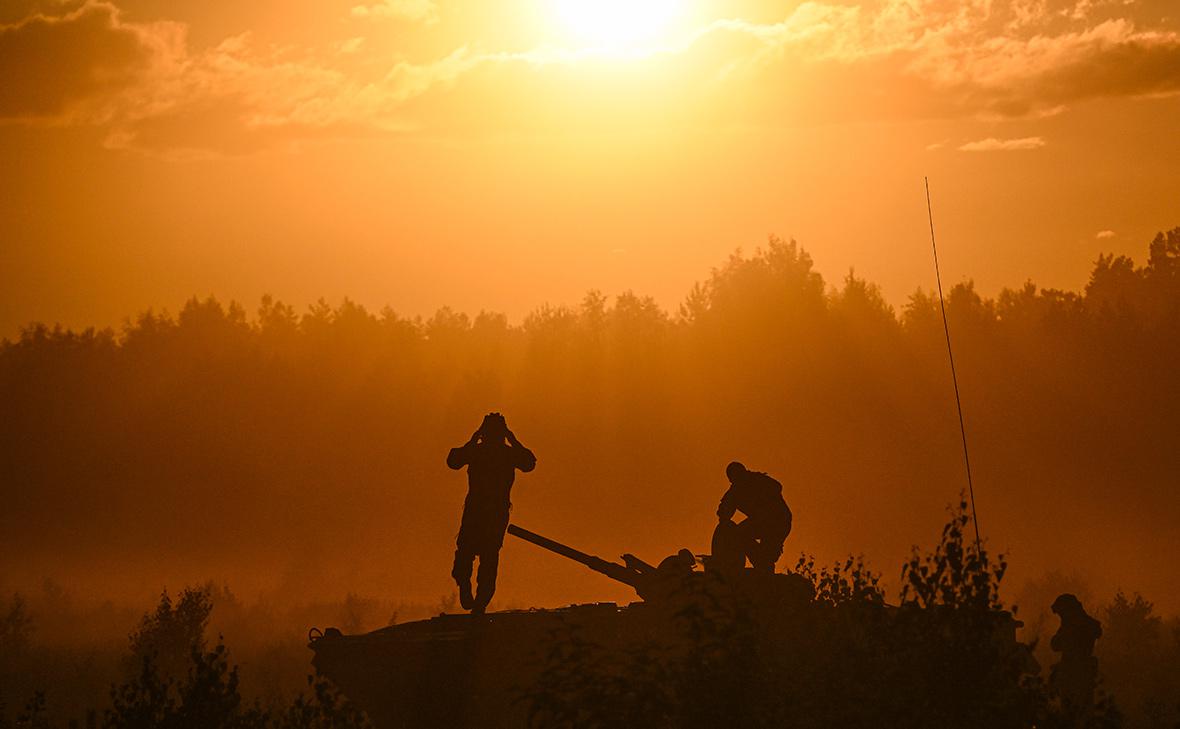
column 288, row 442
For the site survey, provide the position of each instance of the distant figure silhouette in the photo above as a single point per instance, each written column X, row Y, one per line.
column 1076, row 675
column 492, row 456
column 760, row 536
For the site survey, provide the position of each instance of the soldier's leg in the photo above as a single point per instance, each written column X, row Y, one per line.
column 765, row 555
column 749, row 542
column 761, row 559
column 489, row 565
column 491, row 539
column 729, row 548
column 461, row 571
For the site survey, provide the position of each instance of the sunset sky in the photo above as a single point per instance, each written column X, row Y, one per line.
column 502, row 155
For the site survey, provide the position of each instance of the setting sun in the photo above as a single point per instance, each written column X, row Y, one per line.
column 616, row 24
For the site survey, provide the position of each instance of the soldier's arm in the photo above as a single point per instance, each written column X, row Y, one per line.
column 523, row 457
column 525, row 460
column 728, row 505
column 459, row 457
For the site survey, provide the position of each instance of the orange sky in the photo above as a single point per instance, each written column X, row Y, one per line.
column 502, row 155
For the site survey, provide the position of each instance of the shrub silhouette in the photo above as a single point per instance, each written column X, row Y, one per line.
column 169, row 637
column 206, row 694
column 16, row 628
column 945, row 656
column 1139, row 661
column 209, row 698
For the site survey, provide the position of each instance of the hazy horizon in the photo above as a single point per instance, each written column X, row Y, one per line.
column 319, row 471
column 670, row 302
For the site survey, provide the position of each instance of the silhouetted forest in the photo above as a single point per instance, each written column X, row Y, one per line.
column 301, row 453
column 306, row 447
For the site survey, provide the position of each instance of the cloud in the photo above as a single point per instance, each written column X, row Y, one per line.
column 988, row 58
column 1104, row 234
column 991, row 144
column 236, row 99
column 1018, row 76
column 75, row 66
column 422, row 11
column 352, row 45
column 823, row 61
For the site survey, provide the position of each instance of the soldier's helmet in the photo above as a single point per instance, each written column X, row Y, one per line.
column 493, row 426
column 735, row 470
column 1067, row 604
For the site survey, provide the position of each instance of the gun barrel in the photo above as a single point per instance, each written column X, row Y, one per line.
column 612, row 570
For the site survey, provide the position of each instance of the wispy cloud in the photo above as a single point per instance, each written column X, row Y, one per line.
column 1104, row 234
column 352, row 45
column 991, row 144
column 424, row 11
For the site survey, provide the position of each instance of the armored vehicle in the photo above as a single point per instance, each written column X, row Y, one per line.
column 484, row 670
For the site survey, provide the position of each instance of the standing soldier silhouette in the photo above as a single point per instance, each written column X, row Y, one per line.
column 760, row 536
column 1075, row 677
column 492, row 456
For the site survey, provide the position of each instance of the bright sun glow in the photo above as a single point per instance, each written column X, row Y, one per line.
column 617, row 24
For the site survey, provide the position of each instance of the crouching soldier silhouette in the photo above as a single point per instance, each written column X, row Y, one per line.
column 1076, row 675
column 492, row 456
column 760, row 536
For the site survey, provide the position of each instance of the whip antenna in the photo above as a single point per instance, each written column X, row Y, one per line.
column 946, row 329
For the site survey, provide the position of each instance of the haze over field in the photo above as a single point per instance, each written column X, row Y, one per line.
column 302, row 455
column 511, row 157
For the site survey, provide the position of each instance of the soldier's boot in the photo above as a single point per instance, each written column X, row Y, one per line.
column 489, row 565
